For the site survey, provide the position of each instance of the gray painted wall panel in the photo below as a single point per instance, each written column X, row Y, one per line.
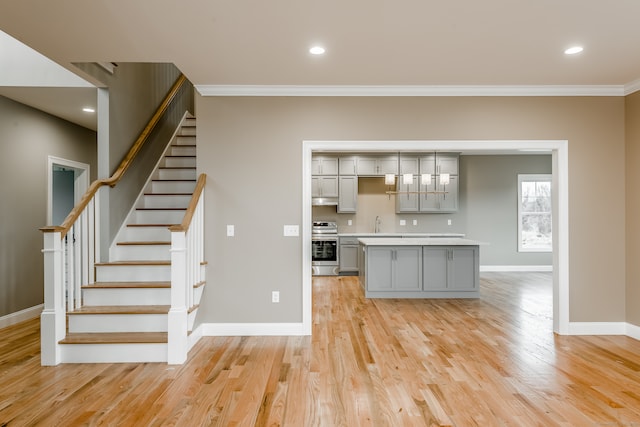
column 27, row 138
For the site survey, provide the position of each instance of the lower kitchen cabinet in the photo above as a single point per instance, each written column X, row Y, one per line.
column 349, row 255
column 394, row 268
column 419, row 271
column 450, row 268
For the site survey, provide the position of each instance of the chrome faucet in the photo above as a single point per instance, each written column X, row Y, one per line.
column 376, row 228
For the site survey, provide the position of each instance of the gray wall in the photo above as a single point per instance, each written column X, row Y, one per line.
column 27, row 138
column 488, row 209
column 251, row 148
column 135, row 90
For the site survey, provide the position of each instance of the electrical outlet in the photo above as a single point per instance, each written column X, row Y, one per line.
column 230, row 231
column 403, row 222
column 275, row 296
column 448, row 222
column 349, row 222
column 291, row 230
column 415, row 222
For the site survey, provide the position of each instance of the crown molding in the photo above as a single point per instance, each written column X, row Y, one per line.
column 445, row 90
column 632, row 87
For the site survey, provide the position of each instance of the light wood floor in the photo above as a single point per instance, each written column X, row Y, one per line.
column 487, row 362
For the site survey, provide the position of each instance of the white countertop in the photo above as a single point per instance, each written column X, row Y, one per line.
column 439, row 241
column 399, row 235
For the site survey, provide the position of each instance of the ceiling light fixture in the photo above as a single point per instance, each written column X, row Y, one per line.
column 88, row 110
column 573, row 50
column 316, row 50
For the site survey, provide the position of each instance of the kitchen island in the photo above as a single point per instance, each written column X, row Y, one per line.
column 420, row 267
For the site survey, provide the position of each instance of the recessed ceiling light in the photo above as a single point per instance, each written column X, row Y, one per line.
column 573, row 50
column 316, row 50
column 88, row 110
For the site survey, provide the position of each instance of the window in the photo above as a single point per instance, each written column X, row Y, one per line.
column 534, row 213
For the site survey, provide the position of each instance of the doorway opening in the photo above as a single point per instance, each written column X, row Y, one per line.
column 67, row 181
column 560, row 202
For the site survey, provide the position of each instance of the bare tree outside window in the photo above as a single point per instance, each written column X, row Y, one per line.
column 534, row 213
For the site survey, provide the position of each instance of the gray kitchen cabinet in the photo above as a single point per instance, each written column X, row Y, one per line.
column 407, row 199
column 377, row 165
column 439, row 202
column 348, row 194
column 324, row 186
column 394, row 268
column 450, row 268
column 324, row 165
column 438, row 163
column 347, row 165
column 349, row 254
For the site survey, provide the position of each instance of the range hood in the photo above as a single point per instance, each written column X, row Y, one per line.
column 324, row 201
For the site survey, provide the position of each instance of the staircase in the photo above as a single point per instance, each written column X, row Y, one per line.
column 124, row 315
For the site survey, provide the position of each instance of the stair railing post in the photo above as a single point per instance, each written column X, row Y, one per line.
column 177, row 319
column 53, row 317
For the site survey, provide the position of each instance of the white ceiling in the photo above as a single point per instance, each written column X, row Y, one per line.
column 369, row 42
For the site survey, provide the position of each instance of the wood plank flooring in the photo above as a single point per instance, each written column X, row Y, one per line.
column 487, row 362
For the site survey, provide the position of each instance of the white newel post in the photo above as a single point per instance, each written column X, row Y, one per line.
column 53, row 317
column 177, row 329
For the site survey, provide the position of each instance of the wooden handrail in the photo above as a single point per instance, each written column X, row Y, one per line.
column 122, row 168
column 188, row 215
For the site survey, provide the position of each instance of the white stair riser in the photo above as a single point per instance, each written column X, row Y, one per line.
column 185, row 140
column 180, row 162
column 182, row 150
column 114, row 353
column 159, row 217
column 133, row 273
column 126, row 296
column 189, row 121
column 100, row 323
column 187, row 131
column 140, row 252
column 176, row 174
column 146, row 234
column 171, row 186
column 165, row 201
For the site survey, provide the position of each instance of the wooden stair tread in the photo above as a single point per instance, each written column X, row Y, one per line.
column 151, row 225
column 138, row 262
column 161, row 209
column 115, row 338
column 168, row 194
column 178, row 167
column 185, row 145
column 122, row 309
column 128, row 285
column 191, row 156
column 143, row 243
column 174, row 180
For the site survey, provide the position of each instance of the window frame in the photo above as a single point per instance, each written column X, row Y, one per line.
column 522, row 178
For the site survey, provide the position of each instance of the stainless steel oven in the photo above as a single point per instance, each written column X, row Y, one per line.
column 325, row 259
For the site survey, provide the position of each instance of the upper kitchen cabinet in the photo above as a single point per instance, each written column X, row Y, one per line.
column 324, row 165
column 347, row 165
column 348, row 194
column 428, row 192
column 324, row 186
column 438, row 163
column 377, row 165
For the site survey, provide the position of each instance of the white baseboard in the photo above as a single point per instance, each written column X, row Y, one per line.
column 21, row 316
column 251, row 329
column 597, row 328
column 633, row 331
column 516, row 268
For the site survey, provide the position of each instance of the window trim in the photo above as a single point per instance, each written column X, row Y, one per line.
column 540, row 177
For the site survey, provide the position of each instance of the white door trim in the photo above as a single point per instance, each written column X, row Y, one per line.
column 560, row 159
column 81, row 180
